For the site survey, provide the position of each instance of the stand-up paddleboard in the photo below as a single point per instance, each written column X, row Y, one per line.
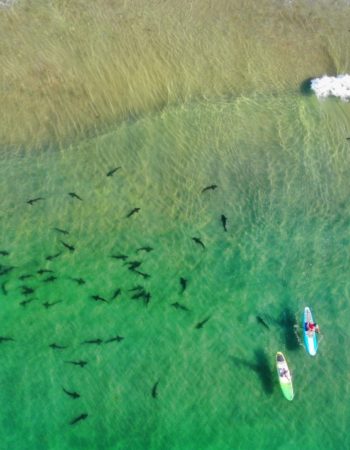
column 310, row 337
column 284, row 376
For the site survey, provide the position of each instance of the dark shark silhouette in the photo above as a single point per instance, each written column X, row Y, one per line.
column 71, row 248
column 114, row 339
column 98, row 298
column 51, row 257
column 224, row 222
column 178, row 305
column 142, row 294
column 202, row 323
column 77, row 363
column 27, row 290
column 57, row 346
column 198, row 241
column 133, row 211
column 74, row 395
column 155, row 389
column 93, row 341
column 183, row 283
column 136, row 288
column 25, row 302
column 42, row 271
column 48, row 305
column 3, row 288
column 117, row 292
column 5, row 339
column 133, row 264
column 112, row 171
column 50, row 279
column 61, row 231
column 143, row 274
column 78, row 419
column 145, row 249
column 79, row 281
column 74, row 195
column 212, row 187
column 25, row 277
column 124, row 257
column 34, row 200
column 262, row 322
column 4, row 270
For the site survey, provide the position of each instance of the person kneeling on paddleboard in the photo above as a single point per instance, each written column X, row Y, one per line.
column 310, row 326
column 284, row 373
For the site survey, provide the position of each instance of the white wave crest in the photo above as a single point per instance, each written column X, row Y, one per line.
column 6, row 3
column 332, row 86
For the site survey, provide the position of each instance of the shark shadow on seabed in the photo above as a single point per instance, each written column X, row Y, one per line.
column 261, row 367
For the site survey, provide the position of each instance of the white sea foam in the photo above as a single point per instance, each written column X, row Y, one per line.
column 332, row 86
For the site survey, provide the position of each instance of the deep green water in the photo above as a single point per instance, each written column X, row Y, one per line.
column 281, row 163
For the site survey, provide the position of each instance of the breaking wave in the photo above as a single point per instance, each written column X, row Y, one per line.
column 338, row 86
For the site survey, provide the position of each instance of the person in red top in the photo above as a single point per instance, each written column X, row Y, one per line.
column 310, row 326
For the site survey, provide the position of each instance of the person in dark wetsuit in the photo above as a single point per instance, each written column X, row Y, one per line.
column 284, row 373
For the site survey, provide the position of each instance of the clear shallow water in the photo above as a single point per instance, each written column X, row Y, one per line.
column 281, row 163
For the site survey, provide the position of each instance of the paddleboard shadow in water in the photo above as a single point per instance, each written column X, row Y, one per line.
column 261, row 367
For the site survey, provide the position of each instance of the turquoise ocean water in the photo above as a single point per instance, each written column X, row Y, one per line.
column 281, row 163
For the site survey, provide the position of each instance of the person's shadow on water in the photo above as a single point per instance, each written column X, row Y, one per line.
column 290, row 330
column 261, row 366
